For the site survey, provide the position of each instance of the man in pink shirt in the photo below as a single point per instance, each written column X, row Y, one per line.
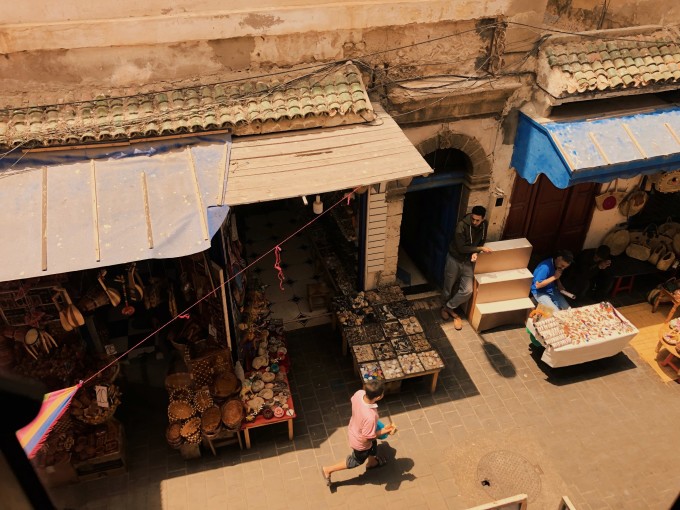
column 362, row 431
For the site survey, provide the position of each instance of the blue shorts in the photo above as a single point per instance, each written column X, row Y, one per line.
column 358, row 457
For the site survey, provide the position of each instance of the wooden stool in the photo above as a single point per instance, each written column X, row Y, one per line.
column 666, row 296
column 319, row 296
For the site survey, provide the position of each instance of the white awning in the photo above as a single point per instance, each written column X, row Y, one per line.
column 81, row 209
column 71, row 210
column 272, row 167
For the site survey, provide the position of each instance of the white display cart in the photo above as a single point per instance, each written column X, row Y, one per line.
column 593, row 349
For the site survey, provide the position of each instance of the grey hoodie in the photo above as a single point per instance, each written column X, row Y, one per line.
column 467, row 239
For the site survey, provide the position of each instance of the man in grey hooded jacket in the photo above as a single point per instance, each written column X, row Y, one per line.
column 468, row 240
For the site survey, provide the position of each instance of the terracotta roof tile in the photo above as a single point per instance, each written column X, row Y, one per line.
column 329, row 97
column 609, row 65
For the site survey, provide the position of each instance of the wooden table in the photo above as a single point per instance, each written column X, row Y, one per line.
column 261, row 421
column 393, row 385
column 672, row 350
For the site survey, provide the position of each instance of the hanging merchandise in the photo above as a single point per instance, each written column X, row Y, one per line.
column 639, row 247
column 665, row 262
column 668, row 182
column 634, row 202
column 669, row 228
column 617, row 240
column 610, row 197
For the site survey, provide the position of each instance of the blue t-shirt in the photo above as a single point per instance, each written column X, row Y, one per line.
column 543, row 271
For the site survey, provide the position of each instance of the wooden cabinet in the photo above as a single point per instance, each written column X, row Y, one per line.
column 501, row 285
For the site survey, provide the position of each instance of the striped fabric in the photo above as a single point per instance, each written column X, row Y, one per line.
column 53, row 407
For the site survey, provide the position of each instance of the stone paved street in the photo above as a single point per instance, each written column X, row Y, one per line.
column 604, row 434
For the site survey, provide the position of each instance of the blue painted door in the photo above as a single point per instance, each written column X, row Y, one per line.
column 427, row 226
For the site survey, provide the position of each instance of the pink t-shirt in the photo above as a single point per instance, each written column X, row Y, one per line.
column 362, row 423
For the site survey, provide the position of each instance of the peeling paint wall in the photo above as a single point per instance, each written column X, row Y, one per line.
column 581, row 15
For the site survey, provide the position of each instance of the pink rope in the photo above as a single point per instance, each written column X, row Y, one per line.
column 184, row 312
column 277, row 266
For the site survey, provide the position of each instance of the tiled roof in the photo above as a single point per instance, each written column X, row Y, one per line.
column 324, row 98
column 607, row 65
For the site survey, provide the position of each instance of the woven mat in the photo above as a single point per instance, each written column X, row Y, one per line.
column 645, row 342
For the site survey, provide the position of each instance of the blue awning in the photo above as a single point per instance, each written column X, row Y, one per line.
column 599, row 149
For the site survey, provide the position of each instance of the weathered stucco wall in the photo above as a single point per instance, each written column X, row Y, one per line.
column 592, row 15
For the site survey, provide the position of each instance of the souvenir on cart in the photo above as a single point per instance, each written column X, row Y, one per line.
column 232, row 414
column 255, row 404
column 411, row 325
column 279, row 412
column 419, row 342
column 180, row 410
column 373, row 297
column 410, row 364
column 393, row 329
column 430, row 360
column 370, row 371
column 355, row 335
column 401, row 309
column 267, row 413
column 391, row 369
column 373, row 333
column 363, row 353
column 391, row 294
column 260, row 361
column 383, row 350
column 402, row 345
column 211, row 420
column 384, row 313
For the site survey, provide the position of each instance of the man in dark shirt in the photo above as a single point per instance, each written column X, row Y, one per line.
column 590, row 275
column 467, row 242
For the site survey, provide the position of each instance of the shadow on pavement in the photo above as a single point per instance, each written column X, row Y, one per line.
column 498, row 360
column 391, row 475
column 584, row 371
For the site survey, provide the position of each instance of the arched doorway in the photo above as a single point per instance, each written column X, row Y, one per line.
column 430, row 213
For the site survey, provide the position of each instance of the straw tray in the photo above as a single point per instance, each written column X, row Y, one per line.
column 190, row 427
column 363, row 353
column 419, row 342
column 173, row 436
column 410, row 364
column 393, row 329
column 225, row 385
column 411, row 325
column 180, row 410
column 211, row 420
column 402, row 345
column 178, row 380
column 391, row 369
column 232, row 414
column 370, row 371
column 202, row 400
column 384, row 350
column 431, row 360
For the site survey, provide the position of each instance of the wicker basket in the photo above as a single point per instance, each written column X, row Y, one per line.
column 232, row 414
column 178, row 380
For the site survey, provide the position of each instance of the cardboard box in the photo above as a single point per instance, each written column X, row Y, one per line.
column 509, row 254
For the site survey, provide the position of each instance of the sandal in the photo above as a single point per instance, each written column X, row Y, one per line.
column 445, row 314
column 381, row 462
column 327, row 478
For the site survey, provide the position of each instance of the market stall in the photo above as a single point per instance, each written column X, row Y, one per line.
column 380, row 330
column 578, row 335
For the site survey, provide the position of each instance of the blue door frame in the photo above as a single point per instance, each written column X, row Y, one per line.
column 430, row 216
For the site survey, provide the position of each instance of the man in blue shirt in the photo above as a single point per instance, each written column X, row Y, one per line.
column 546, row 285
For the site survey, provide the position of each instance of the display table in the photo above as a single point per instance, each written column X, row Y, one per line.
column 579, row 335
column 385, row 339
column 261, row 421
column 669, row 339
